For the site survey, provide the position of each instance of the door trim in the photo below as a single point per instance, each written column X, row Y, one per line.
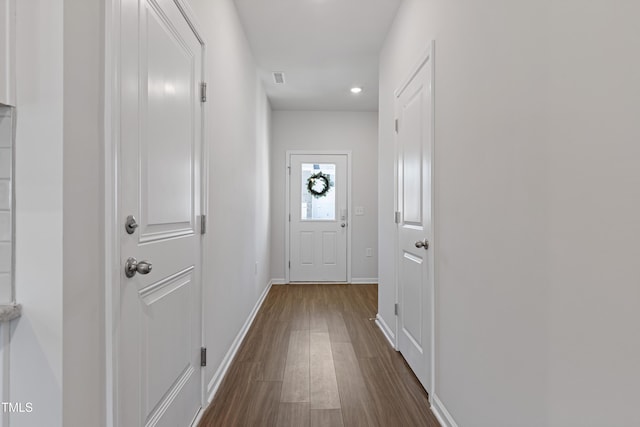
column 111, row 232
column 428, row 55
column 287, row 207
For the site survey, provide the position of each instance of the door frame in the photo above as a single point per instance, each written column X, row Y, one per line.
column 111, row 186
column 287, row 207
column 427, row 55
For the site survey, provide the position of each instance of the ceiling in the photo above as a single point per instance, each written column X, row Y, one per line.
column 323, row 47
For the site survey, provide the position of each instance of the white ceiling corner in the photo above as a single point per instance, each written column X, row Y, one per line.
column 324, row 47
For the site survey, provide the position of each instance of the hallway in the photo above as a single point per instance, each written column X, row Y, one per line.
column 314, row 357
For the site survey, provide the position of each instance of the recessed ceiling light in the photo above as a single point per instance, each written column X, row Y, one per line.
column 356, row 89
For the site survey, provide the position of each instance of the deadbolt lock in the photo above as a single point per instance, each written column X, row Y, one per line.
column 130, row 225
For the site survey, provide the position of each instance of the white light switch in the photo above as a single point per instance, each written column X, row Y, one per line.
column 359, row 210
column 369, row 252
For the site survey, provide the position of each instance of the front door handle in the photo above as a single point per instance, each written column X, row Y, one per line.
column 132, row 266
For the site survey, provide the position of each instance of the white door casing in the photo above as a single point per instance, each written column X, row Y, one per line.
column 159, row 315
column 318, row 227
column 415, row 261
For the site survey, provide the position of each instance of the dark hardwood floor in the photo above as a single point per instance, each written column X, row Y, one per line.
column 314, row 357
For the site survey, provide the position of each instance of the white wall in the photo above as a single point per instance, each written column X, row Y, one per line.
column 36, row 341
column 263, row 190
column 324, row 130
column 538, row 301
column 7, row 52
column 83, row 260
column 593, row 181
column 6, row 204
column 238, row 138
column 56, row 349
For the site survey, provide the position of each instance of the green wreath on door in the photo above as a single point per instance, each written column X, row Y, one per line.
column 322, row 179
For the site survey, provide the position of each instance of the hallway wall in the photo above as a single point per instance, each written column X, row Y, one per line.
column 326, row 130
column 36, row 348
column 237, row 120
column 537, row 296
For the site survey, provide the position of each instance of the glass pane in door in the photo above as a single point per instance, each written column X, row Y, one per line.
column 318, row 192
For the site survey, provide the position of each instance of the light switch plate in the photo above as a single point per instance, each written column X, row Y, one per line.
column 359, row 210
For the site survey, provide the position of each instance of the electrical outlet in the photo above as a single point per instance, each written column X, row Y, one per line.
column 369, row 252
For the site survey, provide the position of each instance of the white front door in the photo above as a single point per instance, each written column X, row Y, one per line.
column 160, row 318
column 318, row 222
column 415, row 262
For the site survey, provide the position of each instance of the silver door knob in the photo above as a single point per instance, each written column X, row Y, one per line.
column 343, row 225
column 132, row 266
column 422, row 244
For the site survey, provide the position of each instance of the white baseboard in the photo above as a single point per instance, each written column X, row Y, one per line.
column 217, row 378
column 355, row 281
column 386, row 330
column 444, row 417
column 364, row 281
column 196, row 420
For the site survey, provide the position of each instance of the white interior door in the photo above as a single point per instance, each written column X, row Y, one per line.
column 159, row 373
column 415, row 260
column 318, row 223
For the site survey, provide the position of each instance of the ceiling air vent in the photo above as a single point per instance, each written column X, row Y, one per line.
column 278, row 77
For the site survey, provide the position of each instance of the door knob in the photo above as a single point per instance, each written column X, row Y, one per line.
column 343, row 225
column 132, row 266
column 422, row 244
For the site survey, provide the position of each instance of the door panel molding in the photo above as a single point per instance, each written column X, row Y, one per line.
column 289, row 213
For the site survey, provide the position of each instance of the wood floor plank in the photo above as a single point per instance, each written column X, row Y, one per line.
column 293, row 415
column 318, row 319
column 324, row 386
column 360, row 330
column 402, row 408
column 263, row 404
column 300, row 320
column 326, row 418
column 355, row 401
column 283, row 367
column 337, row 328
column 235, row 390
column 275, row 356
column 295, row 386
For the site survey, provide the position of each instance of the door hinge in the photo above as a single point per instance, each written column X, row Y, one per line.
column 289, row 167
column 203, row 92
column 203, row 356
column 397, row 217
column 397, row 127
column 395, row 309
column 203, row 224
column 289, row 264
column 289, row 217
